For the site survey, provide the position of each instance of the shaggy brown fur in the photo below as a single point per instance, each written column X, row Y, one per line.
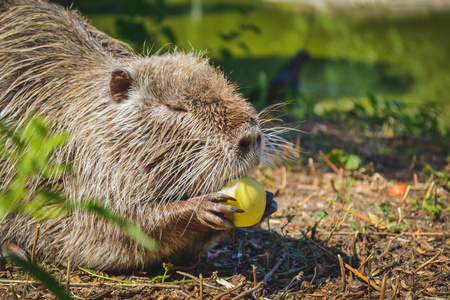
column 154, row 138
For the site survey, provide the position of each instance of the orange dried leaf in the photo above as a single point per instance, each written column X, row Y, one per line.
column 355, row 294
column 420, row 250
column 397, row 190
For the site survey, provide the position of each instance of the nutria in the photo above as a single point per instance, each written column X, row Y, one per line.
column 153, row 138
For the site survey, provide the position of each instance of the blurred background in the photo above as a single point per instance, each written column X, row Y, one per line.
column 378, row 66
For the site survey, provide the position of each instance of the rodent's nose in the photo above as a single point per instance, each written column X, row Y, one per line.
column 250, row 140
column 246, row 143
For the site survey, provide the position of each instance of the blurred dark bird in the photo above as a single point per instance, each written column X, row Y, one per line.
column 285, row 82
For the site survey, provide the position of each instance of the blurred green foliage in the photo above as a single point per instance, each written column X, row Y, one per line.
column 433, row 206
column 442, row 178
column 29, row 150
column 401, row 61
column 340, row 157
column 388, row 116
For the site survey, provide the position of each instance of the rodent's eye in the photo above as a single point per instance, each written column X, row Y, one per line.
column 176, row 108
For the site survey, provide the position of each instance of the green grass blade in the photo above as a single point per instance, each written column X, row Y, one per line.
column 46, row 279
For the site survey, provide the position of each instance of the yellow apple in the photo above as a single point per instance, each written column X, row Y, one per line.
column 250, row 196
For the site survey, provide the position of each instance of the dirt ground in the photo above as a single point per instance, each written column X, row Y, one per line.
column 379, row 232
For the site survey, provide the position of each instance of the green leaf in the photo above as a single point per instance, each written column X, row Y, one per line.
column 356, row 228
column 352, row 162
column 56, row 170
column 335, row 156
column 47, row 204
column 320, row 214
column 54, row 141
column 340, row 157
column 353, row 225
column 373, row 217
column 142, row 238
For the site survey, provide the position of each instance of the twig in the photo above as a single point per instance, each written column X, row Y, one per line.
column 400, row 217
column 428, row 261
column 372, row 284
column 90, row 284
column 187, row 275
column 267, row 253
column 430, row 188
column 329, row 163
column 33, row 250
column 204, row 283
column 384, row 233
column 369, row 290
column 412, row 231
column 354, row 250
column 405, row 195
column 413, row 163
column 341, row 263
column 68, row 277
column 298, row 278
column 366, row 260
column 200, row 277
column 311, row 166
column 264, row 281
column 192, row 294
column 277, row 265
column 394, row 293
column 389, row 244
column 214, row 277
column 316, row 295
column 383, row 287
column 333, row 185
column 255, row 281
column 356, row 294
column 229, row 291
column 314, row 275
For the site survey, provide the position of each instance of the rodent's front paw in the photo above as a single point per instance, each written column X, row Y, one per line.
column 211, row 211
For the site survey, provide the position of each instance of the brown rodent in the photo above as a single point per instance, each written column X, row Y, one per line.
column 153, row 138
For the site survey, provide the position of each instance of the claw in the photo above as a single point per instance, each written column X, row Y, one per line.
column 217, row 223
column 224, row 198
column 236, row 210
column 212, row 210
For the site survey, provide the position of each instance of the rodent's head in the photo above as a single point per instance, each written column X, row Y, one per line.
column 195, row 133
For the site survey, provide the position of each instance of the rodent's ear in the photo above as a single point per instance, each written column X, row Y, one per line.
column 121, row 81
